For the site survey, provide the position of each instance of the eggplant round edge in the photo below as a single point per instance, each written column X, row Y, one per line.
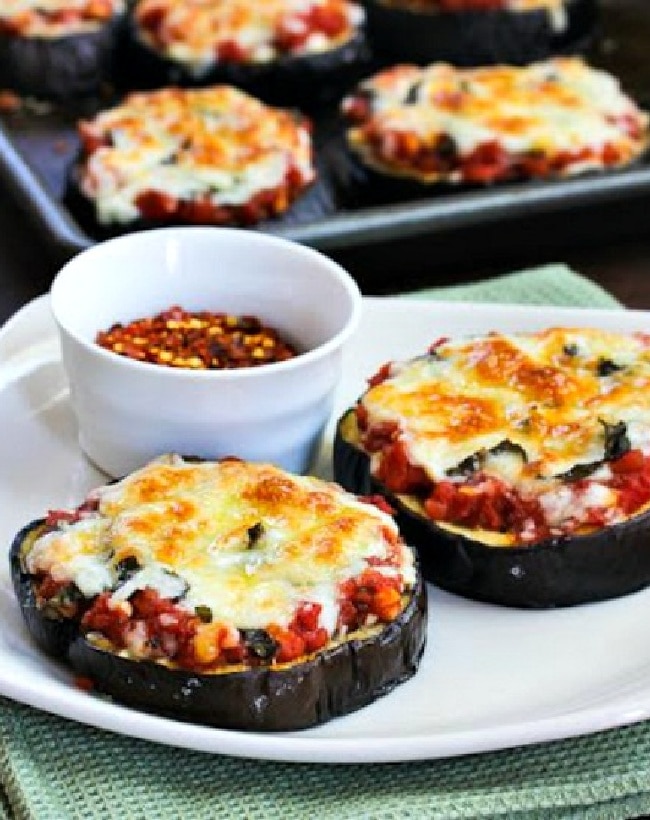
column 53, row 635
column 331, row 683
column 474, row 38
column 60, row 68
column 561, row 572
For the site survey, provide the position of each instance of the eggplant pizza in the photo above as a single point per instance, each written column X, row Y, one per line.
column 520, row 462
column 277, row 46
column 210, row 155
column 227, row 593
column 439, row 123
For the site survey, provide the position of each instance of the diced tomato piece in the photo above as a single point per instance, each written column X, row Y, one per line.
column 201, row 212
column 386, row 603
column 306, row 618
column 154, row 204
column 328, row 20
column 397, row 473
column 56, row 517
column 229, row 51
column 611, row 154
column 487, row 163
column 316, row 639
column 632, row 462
column 380, row 436
column 381, row 375
column 290, row 645
column 362, row 416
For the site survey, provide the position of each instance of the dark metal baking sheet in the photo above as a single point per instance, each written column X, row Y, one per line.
column 37, row 147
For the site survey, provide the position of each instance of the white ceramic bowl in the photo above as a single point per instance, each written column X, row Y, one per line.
column 129, row 412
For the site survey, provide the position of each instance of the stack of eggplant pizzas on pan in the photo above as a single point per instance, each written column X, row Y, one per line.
column 218, row 100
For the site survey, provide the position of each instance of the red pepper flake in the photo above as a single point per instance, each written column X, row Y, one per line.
column 197, row 340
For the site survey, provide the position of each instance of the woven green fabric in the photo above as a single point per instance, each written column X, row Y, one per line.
column 548, row 285
column 53, row 769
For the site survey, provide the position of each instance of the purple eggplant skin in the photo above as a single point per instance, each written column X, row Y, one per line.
column 60, row 68
column 52, row 635
column 475, row 38
column 331, row 683
column 558, row 572
column 307, row 81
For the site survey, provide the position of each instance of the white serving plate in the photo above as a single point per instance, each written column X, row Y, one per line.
column 491, row 677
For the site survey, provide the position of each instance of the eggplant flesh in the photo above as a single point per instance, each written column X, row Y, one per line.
column 474, row 38
column 333, row 682
column 557, row 572
column 308, row 81
column 60, row 68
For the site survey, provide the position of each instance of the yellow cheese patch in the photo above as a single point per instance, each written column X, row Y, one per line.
column 247, row 540
column 553, row 394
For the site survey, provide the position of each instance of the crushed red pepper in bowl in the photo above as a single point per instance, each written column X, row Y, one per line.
column 200, row 340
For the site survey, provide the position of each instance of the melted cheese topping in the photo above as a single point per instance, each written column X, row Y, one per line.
column 217, row 145
column 553, row 394
column 249, row 541
column 57, row 18
column 191, row 32
column 547, row 109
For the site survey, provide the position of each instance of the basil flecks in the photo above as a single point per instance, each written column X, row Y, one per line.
column 476, row 461
column 203, row 613
column 617, row 442
column 260, row 643
column 126, row 568
column 412, row 94
column 254, row 534
column 606, row 367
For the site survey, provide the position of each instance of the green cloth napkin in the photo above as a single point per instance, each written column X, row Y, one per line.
column 54, row 769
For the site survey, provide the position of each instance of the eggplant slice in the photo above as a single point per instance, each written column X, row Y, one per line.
column 334, row 681
column 560, row 572
column 60, row 68
column 473, row 38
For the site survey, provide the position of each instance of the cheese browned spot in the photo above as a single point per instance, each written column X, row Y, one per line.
column 56, row 18
column 247, row 541
column 543, row 413
column 206, row 155
column 554, row 118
